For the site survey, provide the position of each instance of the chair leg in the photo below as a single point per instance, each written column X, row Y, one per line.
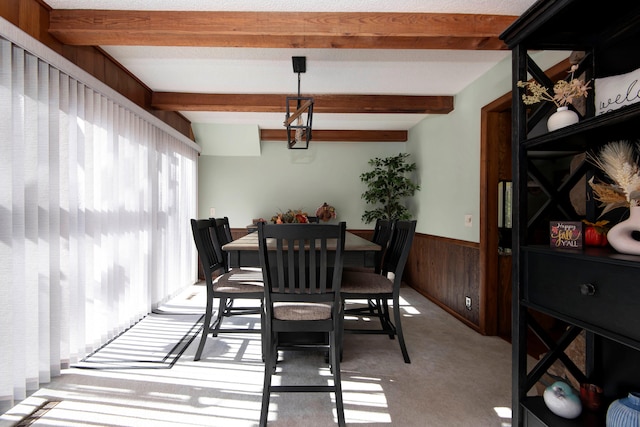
column 271, row 358
column 386, row 318
column 372, row 307
column 340, row 337
column 205, row 328
column 334, row 338
column 397, row 316
column 375, row 310
column 263, row 333
column 222, row 311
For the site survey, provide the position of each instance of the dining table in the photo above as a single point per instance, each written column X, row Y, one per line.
column 358, row 251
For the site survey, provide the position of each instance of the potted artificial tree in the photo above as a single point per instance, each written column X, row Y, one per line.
column 388, row 186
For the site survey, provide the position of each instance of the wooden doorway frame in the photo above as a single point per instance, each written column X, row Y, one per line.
column 495, row 164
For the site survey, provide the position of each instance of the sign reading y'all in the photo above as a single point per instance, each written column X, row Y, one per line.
column 565, row 234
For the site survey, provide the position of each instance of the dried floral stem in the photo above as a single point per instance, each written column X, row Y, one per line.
column 564, row 92
column 619, row 161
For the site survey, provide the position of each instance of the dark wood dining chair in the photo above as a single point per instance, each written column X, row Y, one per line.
column 302, row 279
column 381, row 236
column 381, row 287
column 223, row 284
column 223, row 236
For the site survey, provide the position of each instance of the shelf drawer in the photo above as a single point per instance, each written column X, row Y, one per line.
column 587, row 290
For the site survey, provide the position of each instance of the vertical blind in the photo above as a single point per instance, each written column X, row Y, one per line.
column 95, row 201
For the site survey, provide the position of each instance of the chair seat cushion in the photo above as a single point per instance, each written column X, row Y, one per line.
column 239, row 281
column 354, row 282
column 301, row 311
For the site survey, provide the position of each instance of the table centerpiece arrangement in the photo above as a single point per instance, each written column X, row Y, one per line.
column 291, row 216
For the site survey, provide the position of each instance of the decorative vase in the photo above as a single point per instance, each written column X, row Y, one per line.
column 562, row 400
column 624, row 412
column 561, row 118
column 620, row 235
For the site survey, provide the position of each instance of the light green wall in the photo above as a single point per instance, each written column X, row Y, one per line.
column 243, row 188
column 445, row 148
column 447, row 152
column 227, row 139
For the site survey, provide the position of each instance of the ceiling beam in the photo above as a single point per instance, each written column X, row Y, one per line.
column 275, row 103
column 322, row 135
column 346, row 30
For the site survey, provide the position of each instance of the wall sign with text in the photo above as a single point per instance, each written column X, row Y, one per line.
column 618, row 91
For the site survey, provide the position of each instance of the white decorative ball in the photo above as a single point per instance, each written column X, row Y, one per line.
column 562, row 400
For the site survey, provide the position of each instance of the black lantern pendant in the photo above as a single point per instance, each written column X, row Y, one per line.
column 299, row 112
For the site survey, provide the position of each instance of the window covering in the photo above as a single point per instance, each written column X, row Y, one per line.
column 95, row 200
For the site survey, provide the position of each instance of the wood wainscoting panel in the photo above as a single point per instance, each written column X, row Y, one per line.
column 446, row 271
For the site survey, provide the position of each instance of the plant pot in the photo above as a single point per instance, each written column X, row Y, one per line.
column 561, row 118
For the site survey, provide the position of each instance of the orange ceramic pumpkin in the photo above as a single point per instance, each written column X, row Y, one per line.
column 594, row 237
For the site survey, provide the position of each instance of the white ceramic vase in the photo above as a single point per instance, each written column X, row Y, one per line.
column 561, row 118
column 562, row 400
column 620, row 235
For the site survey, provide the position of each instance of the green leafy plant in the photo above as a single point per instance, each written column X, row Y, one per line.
column 388, row 186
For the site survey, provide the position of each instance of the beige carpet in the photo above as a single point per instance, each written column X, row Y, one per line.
column 457, row 378
column 156, row 341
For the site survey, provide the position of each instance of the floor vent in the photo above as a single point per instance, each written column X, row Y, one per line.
column 37, row 413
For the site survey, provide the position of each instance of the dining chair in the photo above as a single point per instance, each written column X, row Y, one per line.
column 223, row 236
column 302, row 277
column 381, row 235
column 223, row 284
column 378, row 288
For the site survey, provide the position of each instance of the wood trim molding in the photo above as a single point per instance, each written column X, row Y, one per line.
column 342, row 30
column 495, row 165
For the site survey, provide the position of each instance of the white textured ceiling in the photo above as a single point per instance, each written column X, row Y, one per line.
column 347, row 71
column 497, row 7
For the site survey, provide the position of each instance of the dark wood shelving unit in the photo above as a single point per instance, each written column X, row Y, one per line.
column 592, row 291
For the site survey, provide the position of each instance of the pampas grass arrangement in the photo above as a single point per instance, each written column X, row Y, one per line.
column 619, row 161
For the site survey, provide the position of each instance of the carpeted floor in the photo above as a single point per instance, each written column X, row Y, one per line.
column 457, row 378
column 156, row 341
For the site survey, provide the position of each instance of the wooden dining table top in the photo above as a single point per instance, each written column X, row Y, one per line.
column 352, row 243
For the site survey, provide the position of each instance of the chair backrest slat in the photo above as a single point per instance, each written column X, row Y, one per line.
column 399, row 246
column 221, row 235
column 302, row 260
column 381, row 236
column 204, row 237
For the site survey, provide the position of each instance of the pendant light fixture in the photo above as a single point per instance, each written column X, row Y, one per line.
column 299, row 112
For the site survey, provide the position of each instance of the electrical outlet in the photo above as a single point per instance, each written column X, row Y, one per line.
column 212, row 212
column 468, row 221
column 467, row 302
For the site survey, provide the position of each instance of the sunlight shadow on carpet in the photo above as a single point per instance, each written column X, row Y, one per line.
column 157, row 341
